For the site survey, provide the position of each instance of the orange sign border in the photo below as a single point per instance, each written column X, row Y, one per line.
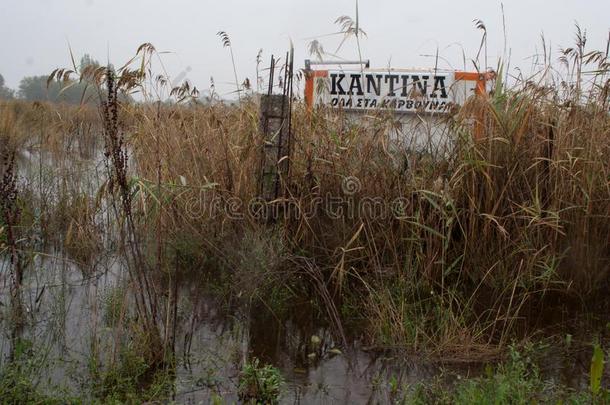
column 481, row 80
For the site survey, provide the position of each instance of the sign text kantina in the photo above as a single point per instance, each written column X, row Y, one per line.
column 399, row 91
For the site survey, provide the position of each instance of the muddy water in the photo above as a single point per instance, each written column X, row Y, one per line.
column 67, row 311
column 65, row 315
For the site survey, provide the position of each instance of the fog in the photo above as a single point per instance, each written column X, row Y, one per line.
column 37, row 34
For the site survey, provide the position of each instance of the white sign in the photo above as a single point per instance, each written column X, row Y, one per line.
column 400, row 91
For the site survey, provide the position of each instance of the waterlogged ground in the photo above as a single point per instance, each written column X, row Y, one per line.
column 69, row 313
column 73, row 320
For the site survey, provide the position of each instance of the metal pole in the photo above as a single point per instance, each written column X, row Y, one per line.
column 309, row 63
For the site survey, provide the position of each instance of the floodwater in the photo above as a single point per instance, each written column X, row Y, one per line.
column 65, row 314
column 67, row 311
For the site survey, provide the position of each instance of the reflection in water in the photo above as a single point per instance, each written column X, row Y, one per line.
column 66, row 311
column 69, row 312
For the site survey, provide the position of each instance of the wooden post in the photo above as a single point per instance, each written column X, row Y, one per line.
column 274, row 122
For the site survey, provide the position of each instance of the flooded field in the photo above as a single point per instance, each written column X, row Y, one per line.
column 68, row 313
column 70, row 319
column 146, row 258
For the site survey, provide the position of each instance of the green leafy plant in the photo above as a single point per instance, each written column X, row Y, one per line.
column 597, row 369
column 20, row 379
column 130, row 379
column 517, row 381
column 260, row 384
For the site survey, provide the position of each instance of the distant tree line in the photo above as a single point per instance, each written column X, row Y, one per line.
column 5, row 92
column 38, row 88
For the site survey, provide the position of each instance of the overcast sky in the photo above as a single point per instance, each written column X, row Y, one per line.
column 34, row 34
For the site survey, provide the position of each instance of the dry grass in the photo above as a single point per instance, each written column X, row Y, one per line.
column 522, row 214
column 499, row 226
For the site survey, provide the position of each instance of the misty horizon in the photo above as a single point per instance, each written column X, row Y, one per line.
column 398, row 35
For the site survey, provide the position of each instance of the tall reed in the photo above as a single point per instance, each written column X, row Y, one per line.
column 485, row 235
